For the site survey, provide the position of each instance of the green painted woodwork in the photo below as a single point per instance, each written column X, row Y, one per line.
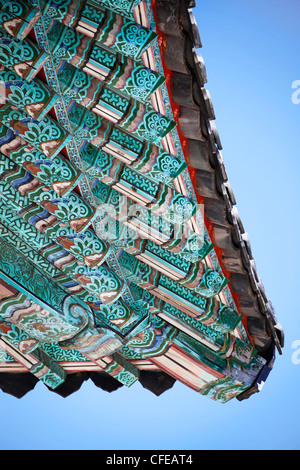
column 103, row 25
column 32, row 97
column 17, row 17
column 23, row 57
column 45, row 135
column 99, row 61
column 57, row 172
column 105, row 259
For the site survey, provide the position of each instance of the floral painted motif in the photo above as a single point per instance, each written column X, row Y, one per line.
column 21, row 56
column 17, row 17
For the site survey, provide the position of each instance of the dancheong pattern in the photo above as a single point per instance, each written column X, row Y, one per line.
column 105, row 259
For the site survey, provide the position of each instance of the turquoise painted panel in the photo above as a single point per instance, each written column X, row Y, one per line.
column 23, row 57
column 17, row 17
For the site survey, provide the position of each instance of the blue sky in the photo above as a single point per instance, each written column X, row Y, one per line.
column 251, row 51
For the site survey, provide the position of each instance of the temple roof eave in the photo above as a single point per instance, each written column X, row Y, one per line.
column 237, row 341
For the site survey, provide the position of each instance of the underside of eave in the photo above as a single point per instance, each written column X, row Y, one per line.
column 184, row 70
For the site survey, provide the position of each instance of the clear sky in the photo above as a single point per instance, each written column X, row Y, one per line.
column 251, row 51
